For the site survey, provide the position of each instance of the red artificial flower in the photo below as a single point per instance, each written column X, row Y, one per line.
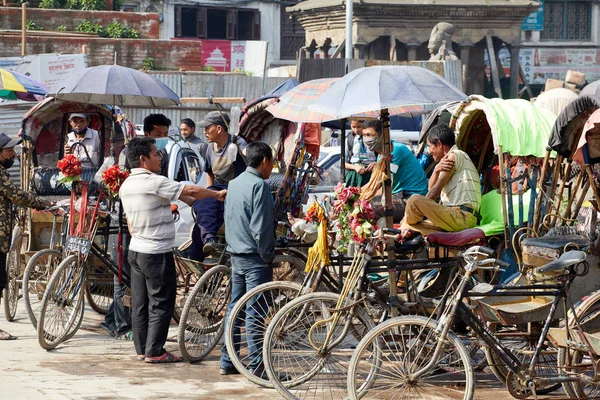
column 70, row 166
column 113, row 178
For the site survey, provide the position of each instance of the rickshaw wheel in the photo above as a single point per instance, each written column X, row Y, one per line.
column 35, row 280
column 61, row 305
column 13, row 272
column 202, row 319
column 99, row 287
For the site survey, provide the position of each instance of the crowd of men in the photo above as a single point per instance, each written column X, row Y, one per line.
column 237, row 196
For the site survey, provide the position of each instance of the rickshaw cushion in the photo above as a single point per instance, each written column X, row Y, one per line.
column 45, row 181
column 457, row 239
column 556, row 242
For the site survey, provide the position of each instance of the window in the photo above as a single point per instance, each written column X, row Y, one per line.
column 217, row 23
column 567, row 20
column 292, row 35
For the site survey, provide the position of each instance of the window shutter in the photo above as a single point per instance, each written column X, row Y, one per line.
column 201, row 26
column 177, row 21
column 232, row 24
column 256, row 30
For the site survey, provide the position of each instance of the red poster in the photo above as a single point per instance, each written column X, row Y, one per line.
column 217, row 54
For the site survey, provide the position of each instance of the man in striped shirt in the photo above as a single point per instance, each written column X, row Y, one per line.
column 455, row 181
column 146, row 198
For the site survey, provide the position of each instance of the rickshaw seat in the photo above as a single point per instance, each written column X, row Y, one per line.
column 457, row 239
column 557, row 242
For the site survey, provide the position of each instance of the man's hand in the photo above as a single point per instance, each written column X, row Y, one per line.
column 371, row 166
column 67, row 149
column 48, row 203
column 221, row 194
column 446, row 164
column 360, row 169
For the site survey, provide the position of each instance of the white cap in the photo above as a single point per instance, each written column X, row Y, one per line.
column 77, row 115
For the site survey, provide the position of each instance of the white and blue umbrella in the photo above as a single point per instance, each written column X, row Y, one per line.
column 402, row 90
column 115, row 85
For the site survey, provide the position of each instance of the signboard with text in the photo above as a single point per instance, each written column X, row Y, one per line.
column 235, row 55
column 535, row 20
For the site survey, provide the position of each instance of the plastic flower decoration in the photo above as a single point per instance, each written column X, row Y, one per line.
column 355, row 218
column 70, row 170
column 113, row 178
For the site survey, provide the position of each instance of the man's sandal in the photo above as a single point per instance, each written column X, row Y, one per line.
column 6, row 336
column 166, row 357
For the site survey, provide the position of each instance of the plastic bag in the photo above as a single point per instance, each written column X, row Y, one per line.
column 108, row 162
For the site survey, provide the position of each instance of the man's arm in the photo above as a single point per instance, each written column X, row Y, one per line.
column 262, row 223
column 198, row 192
column 18, row 196
column 210, row 179
column 189, row 200
column 440, row 177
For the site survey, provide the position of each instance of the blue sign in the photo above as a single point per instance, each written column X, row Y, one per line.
column 535, row 20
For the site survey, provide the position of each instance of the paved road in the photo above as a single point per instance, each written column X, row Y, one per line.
column 93, row 365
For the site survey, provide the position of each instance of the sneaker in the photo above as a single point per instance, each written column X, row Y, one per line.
column 209, row 247
column 229, row 371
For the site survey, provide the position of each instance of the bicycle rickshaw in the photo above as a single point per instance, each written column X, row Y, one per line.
column 44, row 131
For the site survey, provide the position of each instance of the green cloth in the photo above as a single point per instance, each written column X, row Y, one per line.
column 519, row 127
column 492, row 220
column 354, row 179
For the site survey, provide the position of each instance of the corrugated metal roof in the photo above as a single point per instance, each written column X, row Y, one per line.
column 11, row 115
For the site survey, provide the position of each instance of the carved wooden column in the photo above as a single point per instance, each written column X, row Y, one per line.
column 412, row 50
column 514, row 71
column 465, row 52
column 359, row 50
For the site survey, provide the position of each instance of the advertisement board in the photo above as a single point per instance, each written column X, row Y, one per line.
column 235, row 55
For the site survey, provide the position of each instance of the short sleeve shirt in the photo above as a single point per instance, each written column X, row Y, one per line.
column 146, row 199
column 407, row 173
column 91, row 142
column 227, row 162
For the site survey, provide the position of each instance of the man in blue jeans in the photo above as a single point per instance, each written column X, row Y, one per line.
column 250, row 233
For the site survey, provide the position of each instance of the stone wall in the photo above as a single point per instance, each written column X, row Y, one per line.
column 146, row 23
column 170, row 55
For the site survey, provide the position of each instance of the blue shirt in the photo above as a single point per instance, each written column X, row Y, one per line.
column 407, row 173
column 249, row 217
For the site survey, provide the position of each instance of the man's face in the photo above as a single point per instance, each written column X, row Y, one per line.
column 78, row 124
column 152, row 163
column 186, row 131
column 159, row 131
column 212, row 132
column 8, row 154
column 268, row 168
column 356, row 127
column 369, row 132
column 436, row 150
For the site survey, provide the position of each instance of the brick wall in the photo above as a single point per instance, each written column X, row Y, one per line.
column 169, row 54
column 146, row 23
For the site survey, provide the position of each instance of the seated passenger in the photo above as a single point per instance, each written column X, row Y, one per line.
column 454, row 181
column 88, row 137
column 408, row 178
column 224, row 161
column 359, row 160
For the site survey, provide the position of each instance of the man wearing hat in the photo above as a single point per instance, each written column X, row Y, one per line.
column 89, row 139
column 10, row 194
column 223, row 162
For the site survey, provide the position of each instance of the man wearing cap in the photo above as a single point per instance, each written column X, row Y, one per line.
column 10, row 194
column 89, row 147
column 223, row 162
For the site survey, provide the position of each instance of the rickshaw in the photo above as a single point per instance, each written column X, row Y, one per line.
column 44, row 131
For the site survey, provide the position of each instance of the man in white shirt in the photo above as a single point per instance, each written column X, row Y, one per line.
column 146, row 198
column 88, row 150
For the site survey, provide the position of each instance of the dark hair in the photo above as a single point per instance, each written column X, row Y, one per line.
column 153, row 120
column 188, row 122
column 442, row 133
column 139, row 146
column 372, row 123
column 256, row 152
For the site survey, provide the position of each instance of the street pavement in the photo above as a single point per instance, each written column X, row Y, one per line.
column 93, row 365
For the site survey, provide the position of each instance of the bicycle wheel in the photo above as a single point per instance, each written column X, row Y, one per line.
column 579, row 362
column 13, row 274
column 386, row 357
column 61, row 302
column 35, row 280
column 295, row 367
column 201, row 324
column 523, row 348
column 100, row 286
column 262, row 302
column 288, row 268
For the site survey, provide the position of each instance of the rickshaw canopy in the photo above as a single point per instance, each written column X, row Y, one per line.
column 555, row 100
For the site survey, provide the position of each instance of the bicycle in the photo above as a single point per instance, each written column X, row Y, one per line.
column 412, row 355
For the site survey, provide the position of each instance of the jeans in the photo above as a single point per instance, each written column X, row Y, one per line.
column 209, row 219
column 153, row 290
column 248, row 272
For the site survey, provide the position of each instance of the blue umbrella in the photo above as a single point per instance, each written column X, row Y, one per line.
column 403, row 90
column 116, row 85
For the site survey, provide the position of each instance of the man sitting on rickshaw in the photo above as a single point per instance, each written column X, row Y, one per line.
column 88, row 139
column 454, row 181
column 408, row 178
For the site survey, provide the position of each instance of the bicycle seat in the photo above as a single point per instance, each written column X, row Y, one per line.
column 567, row 260
column 457, row 239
